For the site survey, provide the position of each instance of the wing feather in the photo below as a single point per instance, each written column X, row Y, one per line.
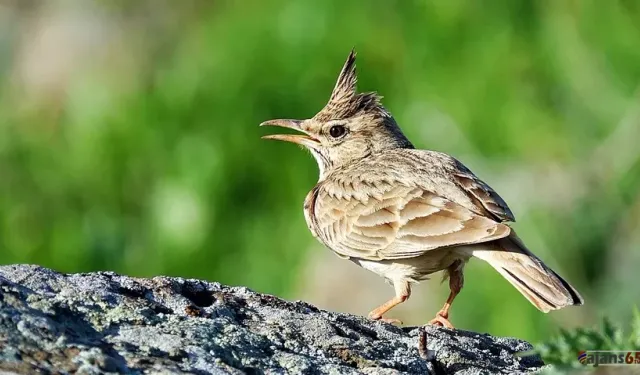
column 394, row 221
column 484, row 195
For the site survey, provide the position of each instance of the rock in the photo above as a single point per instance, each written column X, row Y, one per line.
column 102, row 322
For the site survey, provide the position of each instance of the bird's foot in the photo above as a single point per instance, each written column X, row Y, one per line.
column 441, row 320
column 386, row 320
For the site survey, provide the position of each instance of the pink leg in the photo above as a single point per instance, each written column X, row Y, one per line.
column 403, row 291
column 456, row 281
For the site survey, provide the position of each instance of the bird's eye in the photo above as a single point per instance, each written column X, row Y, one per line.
column 337, row 131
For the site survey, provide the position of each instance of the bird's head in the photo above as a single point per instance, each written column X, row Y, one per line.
column 350, row 127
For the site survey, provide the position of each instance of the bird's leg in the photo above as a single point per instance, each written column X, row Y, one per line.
column 456, row 280
column 403, row 291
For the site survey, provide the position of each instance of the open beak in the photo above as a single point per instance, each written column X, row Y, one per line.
column 305, row 140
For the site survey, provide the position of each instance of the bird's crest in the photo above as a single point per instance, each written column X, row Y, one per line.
column 345, row 101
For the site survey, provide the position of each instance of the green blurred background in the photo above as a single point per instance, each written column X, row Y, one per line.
column 129, row 139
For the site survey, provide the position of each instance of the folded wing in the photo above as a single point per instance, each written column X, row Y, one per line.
column 392, row 221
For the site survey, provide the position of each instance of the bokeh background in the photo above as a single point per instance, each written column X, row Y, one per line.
column 129, row 139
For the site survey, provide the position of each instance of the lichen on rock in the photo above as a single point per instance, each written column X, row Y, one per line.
column 102, row 322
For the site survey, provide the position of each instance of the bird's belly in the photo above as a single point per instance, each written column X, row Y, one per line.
column 414, row 269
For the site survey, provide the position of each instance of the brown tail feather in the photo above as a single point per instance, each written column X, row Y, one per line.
column 544, row 288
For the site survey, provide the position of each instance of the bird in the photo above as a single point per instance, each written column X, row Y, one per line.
column 406, row 213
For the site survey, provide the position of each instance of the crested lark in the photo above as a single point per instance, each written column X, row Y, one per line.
column 405, row 213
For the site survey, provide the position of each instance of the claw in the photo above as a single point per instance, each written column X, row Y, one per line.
column 386, row 320
column 441, row 321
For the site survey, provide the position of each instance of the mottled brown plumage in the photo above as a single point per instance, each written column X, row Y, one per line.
column 405, row 213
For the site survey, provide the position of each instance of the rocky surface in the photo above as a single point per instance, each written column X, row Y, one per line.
column 105, row 323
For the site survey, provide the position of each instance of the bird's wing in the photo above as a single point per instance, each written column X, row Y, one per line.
column 391, row 220
column 481, row 193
